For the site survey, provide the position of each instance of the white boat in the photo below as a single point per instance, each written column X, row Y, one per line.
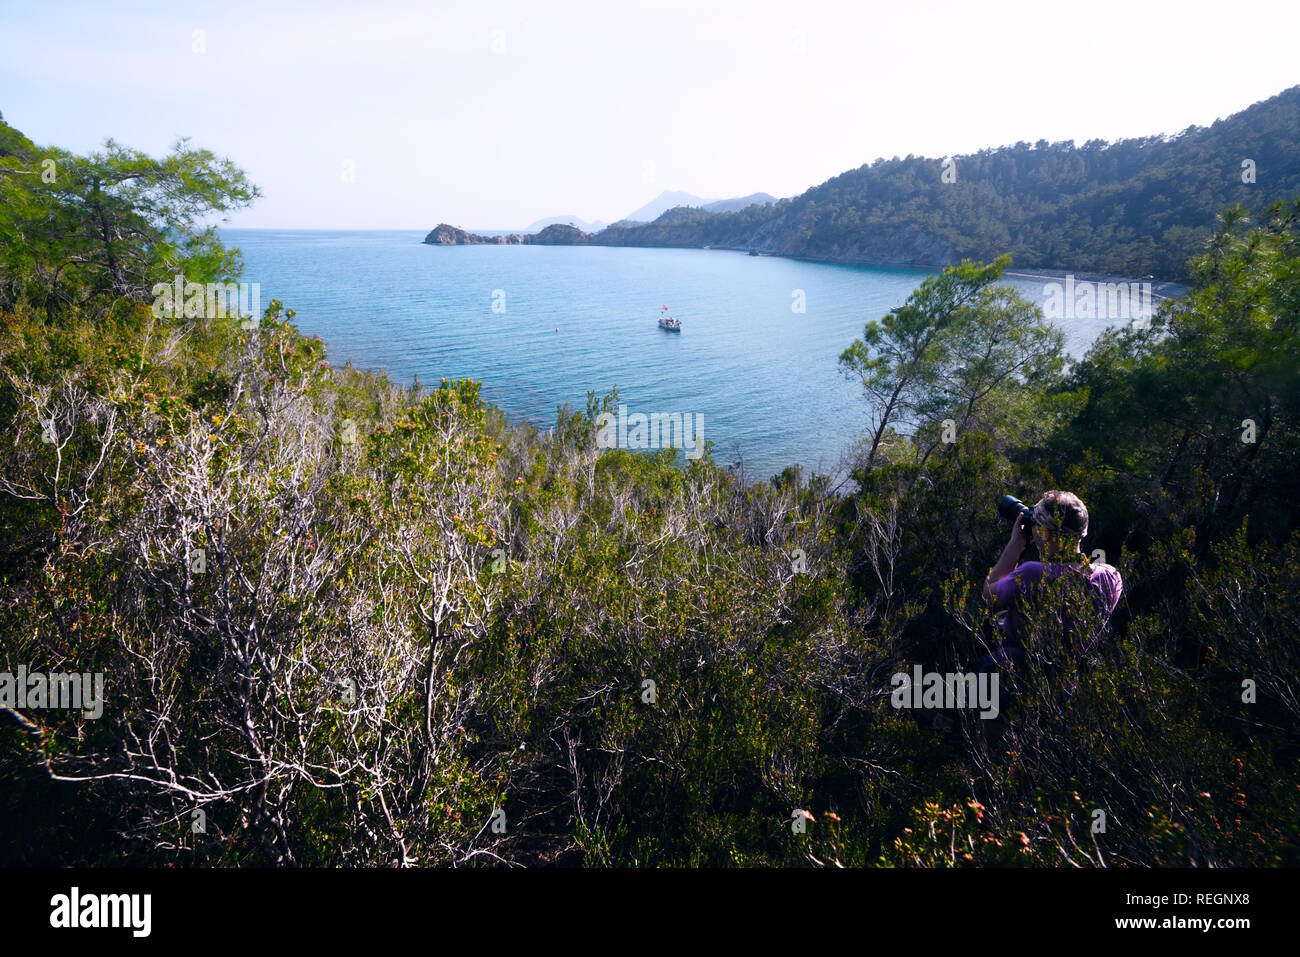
column 668, row 323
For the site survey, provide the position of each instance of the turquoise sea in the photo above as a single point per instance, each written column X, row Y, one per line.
column 573, row 319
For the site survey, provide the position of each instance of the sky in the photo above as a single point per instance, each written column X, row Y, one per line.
column 492, row 114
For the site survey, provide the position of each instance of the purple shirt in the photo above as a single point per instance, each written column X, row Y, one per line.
column 1103, row 581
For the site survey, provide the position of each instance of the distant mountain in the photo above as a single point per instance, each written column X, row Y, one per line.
column 587, row 227
column 732, row 205
column 672, row 199
column 665, row 201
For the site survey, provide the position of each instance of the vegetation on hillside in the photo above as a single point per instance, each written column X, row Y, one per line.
column 1131, row 208
column 346, row 622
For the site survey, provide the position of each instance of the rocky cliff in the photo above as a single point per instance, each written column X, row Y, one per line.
column 444, row 235
column 561, row 234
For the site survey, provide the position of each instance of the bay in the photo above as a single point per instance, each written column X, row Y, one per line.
column 573, row 319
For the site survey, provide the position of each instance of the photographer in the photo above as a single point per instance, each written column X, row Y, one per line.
column 1056, row 525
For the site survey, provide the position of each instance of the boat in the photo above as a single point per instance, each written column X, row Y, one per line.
column 668, row 323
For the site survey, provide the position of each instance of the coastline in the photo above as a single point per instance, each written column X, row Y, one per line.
column 1160, row 288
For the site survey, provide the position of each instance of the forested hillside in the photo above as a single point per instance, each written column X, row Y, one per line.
column 1133, row 207
column 346, row 621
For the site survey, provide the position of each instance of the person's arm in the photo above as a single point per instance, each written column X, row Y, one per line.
column 1016, row 546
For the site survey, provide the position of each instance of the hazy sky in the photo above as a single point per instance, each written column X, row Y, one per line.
column 494, row 114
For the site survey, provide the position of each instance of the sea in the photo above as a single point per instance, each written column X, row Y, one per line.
column 756, row 360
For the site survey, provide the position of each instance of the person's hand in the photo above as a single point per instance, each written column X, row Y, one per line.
column 1015, row 546
column 1021, row 534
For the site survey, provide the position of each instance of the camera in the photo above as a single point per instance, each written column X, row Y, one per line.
column 1011, row 508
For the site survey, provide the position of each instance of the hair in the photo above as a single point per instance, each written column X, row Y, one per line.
column 1062, row 513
